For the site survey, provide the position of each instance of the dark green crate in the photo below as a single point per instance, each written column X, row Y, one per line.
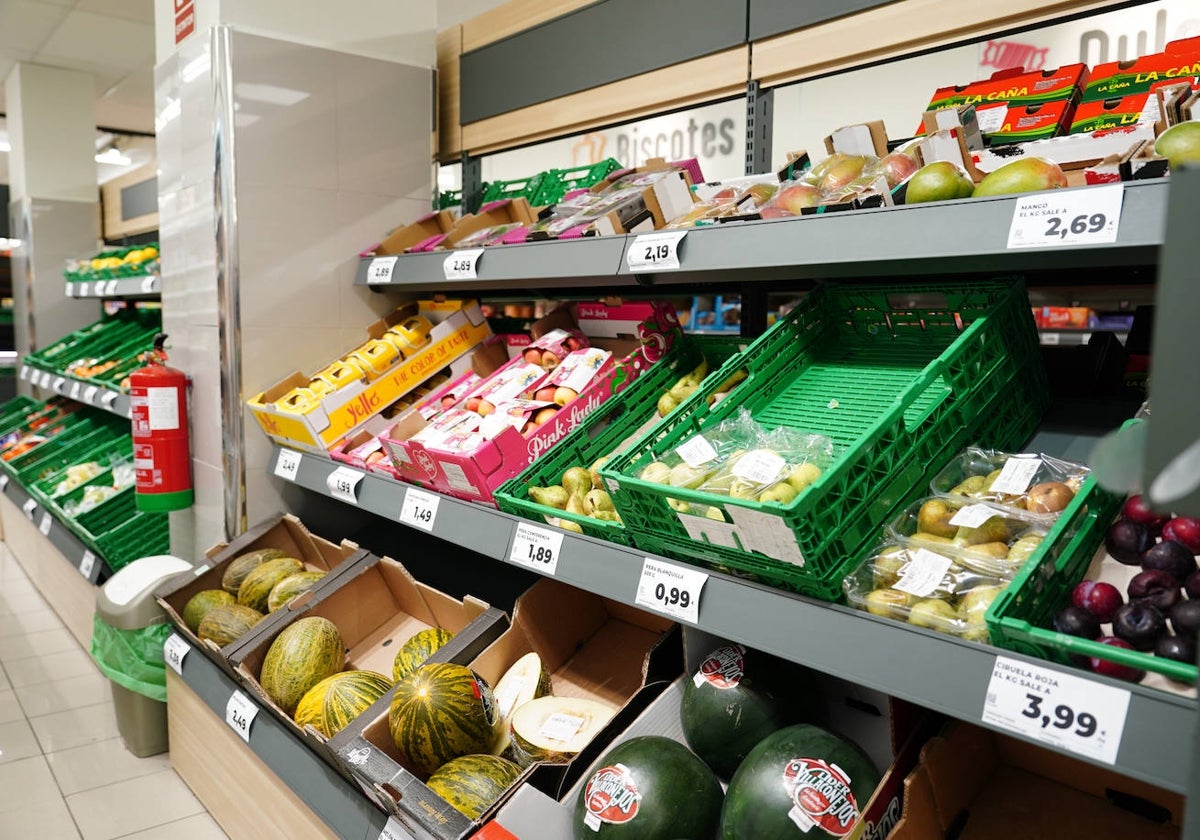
column 64, row 450
column 14, row 412
column 900, row 377
column 48, row 429
column 143, row 535
column 108, row 515
column 558, row 182
column 60, row 435
column 517, row 188
column 104, row 453
column 606, row 428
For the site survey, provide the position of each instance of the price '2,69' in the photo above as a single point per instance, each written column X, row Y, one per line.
column 674, row 595
column 1079, row 224
column 1064, row 717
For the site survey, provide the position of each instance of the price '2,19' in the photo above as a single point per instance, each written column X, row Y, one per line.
column 1080, row 224
column 655, row 253
column 1064, row 717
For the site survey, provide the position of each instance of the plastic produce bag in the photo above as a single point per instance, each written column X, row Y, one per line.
column 1033, row 488
column 132, row 658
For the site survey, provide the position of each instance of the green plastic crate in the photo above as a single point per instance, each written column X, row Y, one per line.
column 103, row 453
column 142, row 535
column 517, row 188
column 14, row 412
column 55, row 431
column 109, row 338
column 559, row 182
column 64, row 450
column 900, row 377
column 604, row 429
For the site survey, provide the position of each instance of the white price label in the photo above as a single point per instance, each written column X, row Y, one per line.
column 972, row 516
column 671, row 589
column 148, row 285
column 46, row 380
column 29, row 507
column 1066, row 712
column 239, row 714
column 1016, row 475
column 462, row 265
column 696, row 451
column 89, row 394
column 1075, row 217
column 394, row 831
column 70, row 289
column 24, row 371
column 288, row 464
column 761, row 466
column 111, row 288
column 537, row 548
column 380, row 269
column 560, row 727
column 174, row 650
column 44, row 525
column 654, row 251
column 108, row 398
column 86, row 564
column 3, row 482
column 343, row 484
column 59, row 382
column 924, row 573
column 83, row 290
column 419, row 509
column 76, row 387
column 991, row 120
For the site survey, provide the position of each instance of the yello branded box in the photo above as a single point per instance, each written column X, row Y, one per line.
column 1021, row 123
column 456, row 327
column 1115, row 112
column 1179, row 61
column 1014, row 87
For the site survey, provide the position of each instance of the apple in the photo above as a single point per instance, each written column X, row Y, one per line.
column 775, row 213
column 375, row 457
column 1097, row 597
column 448, row 401
column 564, row 395
column 485, row 408
column 545, row 394
column 1135, row 508
column 550, row 360
column 573, row 343
column 1107, row 668
column 1184, row 529
column 795, row 198
column 473, row 403
column 532, row 355
column 896, row 167
column 543, row 416
column 1048, row 497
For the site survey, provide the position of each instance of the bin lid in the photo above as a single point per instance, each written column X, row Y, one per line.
column 126, row 600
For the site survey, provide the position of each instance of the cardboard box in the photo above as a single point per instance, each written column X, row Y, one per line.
column 458, row 327
column 1022, row 123
column 431, row 225
column 969, row 780
column 1072, row 152
column 1015, row 87
column 1059, row 317
column 509, row 211
column 869, row 138
column 377, row 606
column 286, row 533
column 1179, row 61
column 1115, row 112
column 592, row 647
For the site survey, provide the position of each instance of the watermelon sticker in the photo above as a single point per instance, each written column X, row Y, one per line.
column 612, row 796
column 724, row 667
column 821, row 796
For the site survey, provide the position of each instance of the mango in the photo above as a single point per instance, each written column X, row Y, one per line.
column 1032, row 174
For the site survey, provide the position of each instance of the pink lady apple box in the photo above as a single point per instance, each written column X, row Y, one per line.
column 636, row 334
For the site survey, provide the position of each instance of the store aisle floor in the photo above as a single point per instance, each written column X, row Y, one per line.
column 64, row 770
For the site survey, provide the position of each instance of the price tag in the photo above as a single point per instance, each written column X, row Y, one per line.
column 1075, row 217
column 174, row 649
column 461, row 265
column 86, row 564
column 560, row 727
column 288, row 464
column 44, row 525
column 1066, row 712
column 972, row 516
column 239, row 714
column 343, row 484
column 1051, row 338
column 108, row 398
column 394, row 831
column 760, row 466
column 148, row 285
column 29, row 507
column 3, row 482
column 89, row 394
column 419, row 509
column 59, row 381
column 70, row 290
column 671, row 589
column 1016, row 475
column 654, row 252
column 536, row 548
column 696, row 451
column 24, row 371
column 76, row 387
column 46, row 380
column 380, row 270
column 83, row 290
column 111, row 288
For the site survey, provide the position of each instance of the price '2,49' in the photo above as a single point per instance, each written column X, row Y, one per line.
column 1080, row 224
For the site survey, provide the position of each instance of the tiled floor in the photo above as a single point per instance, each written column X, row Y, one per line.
column 64, row 770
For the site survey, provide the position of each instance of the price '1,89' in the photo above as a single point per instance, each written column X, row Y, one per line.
column 1064, row 717
column 672, row 595
column 1080, row 224
column 540, row 553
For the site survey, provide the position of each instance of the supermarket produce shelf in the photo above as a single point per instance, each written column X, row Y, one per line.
column 126, row 287
column 95, row 395
column 934, row 238
column 90, row 565
column 922, row 666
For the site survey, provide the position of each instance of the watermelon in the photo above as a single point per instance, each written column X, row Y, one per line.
column 243, row 564
column 302, row 655
column 290, row 587
column 257, row 585
column 335, row 701
column 199, row 604
column 555, row 729
column 526, row 679
column 739, row 696
column 473, row 783
column 801, row 774
column 227, row 623
column 419, row 647
column 650, row 788
column 441, row 712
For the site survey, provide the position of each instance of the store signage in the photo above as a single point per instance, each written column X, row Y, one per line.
column 239, row 714
column 343, row 484
column 185, row 19
column 655, row 252
column 288, row 464
column 462, row 265
column 380, row 269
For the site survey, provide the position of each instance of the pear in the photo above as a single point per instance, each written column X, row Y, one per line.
column 885, row 568
column 679, row 505
column 802, row 475
column 726, row 386
column 552, row 496
column 606, row 515
column 577, row 481
column 932, row 540
column 781, row 493
column 657, row 472
column 576, row 505
column 890, row 603
column 714, row 513
column 594, row 471
column 934, row 614
column 568, row 525
column 597, row 500
column 975, row 602
column 989, row 550
column 972, row 486
column 743, row 489
column 681, row 390
column 667, row 404
column 1021, row 550
column 934, row 518
column 993, row 530
column 688, row 477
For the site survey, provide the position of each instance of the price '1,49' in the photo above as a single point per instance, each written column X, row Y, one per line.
column 1080, row 224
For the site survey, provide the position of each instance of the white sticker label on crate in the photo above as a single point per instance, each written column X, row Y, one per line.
column 111, row 288
column 343, row 484
column 456, row 476
column 1016, row 475
column 108, row 398
column 29, row 507
column 1065, row 712
column 671, row 589
column 174, row 650
column 696, row 451
column 288, row 464
column 83, row 290
column 380, row 270
column 86, row 564
column 560, row 727
column 760, row 466
column 972, row 516
column 462, row 265
column 419, row 509
column 44, row 525
column 70, row 289
column 655, row 251
column 1070, row 217
column 765, row 532
column 394, row 831
column 45, row 383
column 925, row 572
column 89, row 394
column 59, row 382
column 536, row 548
column 239, row 714
column 991, row 120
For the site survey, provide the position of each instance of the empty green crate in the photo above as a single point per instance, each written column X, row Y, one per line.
column 899, row 377
column 558, row 182
column 143, row 535
column 15, row 411
column 604, row 429
column 518, row 188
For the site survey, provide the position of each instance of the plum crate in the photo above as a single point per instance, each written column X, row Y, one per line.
column 900, row 377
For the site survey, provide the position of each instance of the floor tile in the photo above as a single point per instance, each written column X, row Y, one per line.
column 17, row 742
column 53, row 666
column 26, row 782
column 47, row 820
column 10, row 709
column 197, row 827
column 38, row 643
column 28, row 622
column 23, row 598
column 4, row 682
column 101, row 763
column 107, row 812
column 68, row 693
column 76, row 727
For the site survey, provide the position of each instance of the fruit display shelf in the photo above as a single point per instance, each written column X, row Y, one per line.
column 125, row 287
column 934, row 238
column 93, row 394
column 928, row 668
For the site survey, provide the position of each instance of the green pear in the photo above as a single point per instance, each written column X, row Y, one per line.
column 552, row 496
column 577, row 481
column 890, row 603
column 988, row 550
column 657, row 472
column 568, row 525
column 975, row 602
column 886, row 566
column 575, row 505
column 802, row 475
column 1022, row 549
column 993, row 530
column 606, row 515
column 934, row 614
column 688, row 477
column 597, row 500
column 714, row 513
column 934, row 518
column 972, row 486
column 781, row 493
column 594, row 471
column 667, row 404
column 679, row 506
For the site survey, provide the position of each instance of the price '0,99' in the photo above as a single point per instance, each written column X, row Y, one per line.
column 672, row 596
column 1064, row 717
column 1080, row 224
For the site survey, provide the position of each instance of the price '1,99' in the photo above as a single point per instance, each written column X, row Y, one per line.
column 1059, row 227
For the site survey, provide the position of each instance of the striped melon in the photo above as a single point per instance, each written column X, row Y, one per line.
column 199, row 604
column 414, row 653
column 473, row 783
column 554, row 729
column 441, row 712
column 257, row 586
column 243, row 564
column 290, row 587
column 526, row 680
column 335, row 701
column 302, row 655
column 227, row 623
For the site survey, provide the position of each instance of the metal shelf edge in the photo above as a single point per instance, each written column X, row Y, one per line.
column 96, row 396
column 125, row 287
column 59, row 535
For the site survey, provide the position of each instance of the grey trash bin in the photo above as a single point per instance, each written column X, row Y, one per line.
column 126, row 603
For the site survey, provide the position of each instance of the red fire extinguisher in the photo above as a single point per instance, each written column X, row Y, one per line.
column 161, row 454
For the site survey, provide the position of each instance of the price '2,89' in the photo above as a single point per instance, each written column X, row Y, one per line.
column 1064, row 717
column 1079, row 224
